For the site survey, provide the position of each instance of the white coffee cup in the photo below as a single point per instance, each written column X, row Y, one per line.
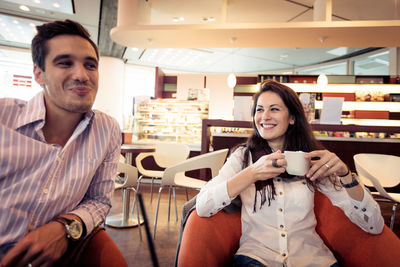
column 296, row 163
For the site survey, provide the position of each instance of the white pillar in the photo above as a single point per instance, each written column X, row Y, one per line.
column 111, row 87
column 394, row 61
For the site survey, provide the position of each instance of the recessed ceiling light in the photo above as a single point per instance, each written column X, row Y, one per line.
column 211, row 19
column 15, row 21
column 181, row 18
column 175, row 19
column 36, row 1
column 135, row 49
column 24, row 8
column 56, row 4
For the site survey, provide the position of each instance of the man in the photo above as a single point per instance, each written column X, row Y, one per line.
column 57, row 156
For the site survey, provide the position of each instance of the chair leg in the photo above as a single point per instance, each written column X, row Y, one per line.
column 156, row 217
column 176, row 209
column 137, row 213
column 393, row 216
column 151, row 190
column 137, row 191
column 169, row 202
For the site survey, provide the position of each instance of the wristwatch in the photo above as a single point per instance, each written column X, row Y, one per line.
column 73, row 228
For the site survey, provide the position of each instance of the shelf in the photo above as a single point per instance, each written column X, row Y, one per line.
column 359, row 105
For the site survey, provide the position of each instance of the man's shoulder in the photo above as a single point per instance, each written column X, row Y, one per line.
column 10, row 108
column 100, row 116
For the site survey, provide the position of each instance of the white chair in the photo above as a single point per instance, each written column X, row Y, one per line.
column 174, row 176
column 125, row 219
column 380, row 171
column 165, row 155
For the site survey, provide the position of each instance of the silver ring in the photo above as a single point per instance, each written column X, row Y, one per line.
column 29, row 265
column 275, row 164
column 327, row 166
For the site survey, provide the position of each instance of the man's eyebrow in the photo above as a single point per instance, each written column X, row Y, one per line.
column 66, row 56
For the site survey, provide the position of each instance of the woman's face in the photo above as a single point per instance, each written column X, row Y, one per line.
column 272, row 119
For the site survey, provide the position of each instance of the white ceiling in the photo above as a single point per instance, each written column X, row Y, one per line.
column 155, row 20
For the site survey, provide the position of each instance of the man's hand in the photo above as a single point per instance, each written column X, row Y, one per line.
column 41, row 247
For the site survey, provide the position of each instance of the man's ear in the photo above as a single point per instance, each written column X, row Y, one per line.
column 39, row 73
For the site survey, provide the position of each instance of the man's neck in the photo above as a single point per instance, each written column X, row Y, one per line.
column 58, row 129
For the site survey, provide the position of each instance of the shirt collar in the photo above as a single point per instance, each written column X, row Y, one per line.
column 35, row 111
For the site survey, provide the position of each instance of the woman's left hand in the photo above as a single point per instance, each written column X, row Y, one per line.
column 327, row 164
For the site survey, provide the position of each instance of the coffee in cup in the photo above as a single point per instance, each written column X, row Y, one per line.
column 296, row 163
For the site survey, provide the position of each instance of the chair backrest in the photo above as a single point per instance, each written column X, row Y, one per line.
column 378, row 170
column 131, row 174
column 169, row 154
column 212, row 160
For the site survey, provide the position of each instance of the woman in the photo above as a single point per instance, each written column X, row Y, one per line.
column 278, row 221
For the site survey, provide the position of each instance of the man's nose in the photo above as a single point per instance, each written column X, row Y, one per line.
column 80, row 73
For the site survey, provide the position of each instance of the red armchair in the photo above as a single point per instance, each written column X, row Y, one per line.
column 213, row 241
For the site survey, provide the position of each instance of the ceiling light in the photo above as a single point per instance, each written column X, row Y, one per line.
column 56, row 4
column 15, row 21
column 181, row 18
column 231, row 80
column 135, row 49
column 322, row 81
column 340, row 51
column 211, row 19
column 36, row 1
column 175, row 19
column 32, row 25
column 24, row 8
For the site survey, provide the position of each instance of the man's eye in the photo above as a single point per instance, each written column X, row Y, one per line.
column 64, row 63
column 91, row 66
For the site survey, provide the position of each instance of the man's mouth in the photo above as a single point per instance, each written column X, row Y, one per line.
column 80, row 90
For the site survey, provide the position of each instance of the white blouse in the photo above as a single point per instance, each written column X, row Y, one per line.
column 283, row 234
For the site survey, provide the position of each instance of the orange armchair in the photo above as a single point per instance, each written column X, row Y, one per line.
column 213, row 241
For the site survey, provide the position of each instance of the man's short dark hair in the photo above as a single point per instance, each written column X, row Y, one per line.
column 50, row 30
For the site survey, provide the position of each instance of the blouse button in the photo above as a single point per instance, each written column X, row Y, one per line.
column 279, row 179
column 364, row 209
column 280, row 193
column 281, row 226
column 223, row 203
column 284, row 254
column 304, row 182
column 283, row 235
column 356, row 207
column 280, row 209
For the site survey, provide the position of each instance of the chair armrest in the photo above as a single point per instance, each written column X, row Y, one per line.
column 210, row 241
column 140, row 157
column 350, row 244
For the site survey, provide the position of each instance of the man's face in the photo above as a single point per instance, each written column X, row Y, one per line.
column 70, row 81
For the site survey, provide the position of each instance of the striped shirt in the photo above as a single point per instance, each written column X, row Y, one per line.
column 39, row 181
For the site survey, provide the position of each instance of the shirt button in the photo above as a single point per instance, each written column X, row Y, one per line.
column 58, row 159
column 281, row 226
column 211, row 213
column 280, row 193
column 283, row 235
column 356, row 207
column 284, row 254
column 223, row 203
column 45, row 191
column 371, row 228
column 364, row 209
column 280, row 209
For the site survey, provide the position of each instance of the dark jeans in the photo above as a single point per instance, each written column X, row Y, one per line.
column 244, row 261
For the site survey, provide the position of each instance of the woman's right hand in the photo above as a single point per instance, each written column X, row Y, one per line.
column 268, row 166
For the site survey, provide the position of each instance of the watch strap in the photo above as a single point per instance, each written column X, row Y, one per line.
column 354, row 182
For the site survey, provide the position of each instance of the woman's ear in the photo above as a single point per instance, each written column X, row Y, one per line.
column 291, row 121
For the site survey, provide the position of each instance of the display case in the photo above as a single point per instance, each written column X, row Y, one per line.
column 169, row 120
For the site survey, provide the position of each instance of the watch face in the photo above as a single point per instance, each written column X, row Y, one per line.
column 75, row 230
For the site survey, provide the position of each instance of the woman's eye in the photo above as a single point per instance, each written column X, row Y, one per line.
column 259, row 110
